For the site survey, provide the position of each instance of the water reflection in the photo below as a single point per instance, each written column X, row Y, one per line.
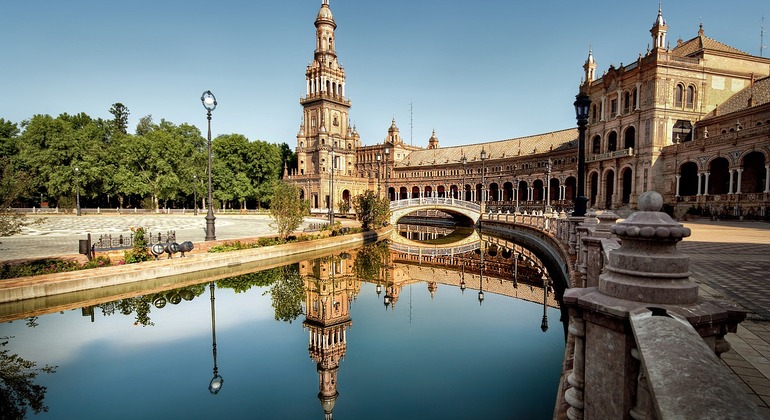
column 330, row 289
column 215, row 385
column 324, row 291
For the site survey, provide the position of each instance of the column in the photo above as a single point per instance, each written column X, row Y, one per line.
column 620, row 103
column 678, row 178
column 767, row 178
column 706, row 186
column 308, row 87
column 730, row 190
column 638, row 95
column 343, row 89
column 574, row 395
column 738, row 186
column 700, row 181
column 603, row 108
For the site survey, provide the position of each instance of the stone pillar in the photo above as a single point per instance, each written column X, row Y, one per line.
column 730, row 190
column 767, row 178
column 700, row 183
column 740, row 178
column 638, row 95
column 678, row 179
column 574, row 395
column 646, row 273
column 706, row 186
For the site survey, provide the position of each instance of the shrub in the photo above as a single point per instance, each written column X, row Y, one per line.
column 140, row 251
column 48, row 266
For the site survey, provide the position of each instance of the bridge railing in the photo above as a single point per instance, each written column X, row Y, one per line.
column 433, row 251
column 428, row 201
column 552, row 223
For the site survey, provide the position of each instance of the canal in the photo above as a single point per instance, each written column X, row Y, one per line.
column 370, row 333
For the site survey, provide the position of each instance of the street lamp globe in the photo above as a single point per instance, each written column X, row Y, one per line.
column 209, row 101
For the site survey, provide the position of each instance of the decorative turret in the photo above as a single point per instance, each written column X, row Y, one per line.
column 433, row 141
column 590, row 67
column 658, row 31
column 394, row 137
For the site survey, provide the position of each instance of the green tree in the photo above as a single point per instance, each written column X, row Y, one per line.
column 18, row 392
column 12, row 183
column 371, row 260
column 287, row 209
column 287, row 294
column 120, row 120
column 371, row 211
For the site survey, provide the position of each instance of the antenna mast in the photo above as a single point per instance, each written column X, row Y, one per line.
column 762, row 45
column 411, row 124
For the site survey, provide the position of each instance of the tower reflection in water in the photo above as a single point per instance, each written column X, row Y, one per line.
column 330, row 288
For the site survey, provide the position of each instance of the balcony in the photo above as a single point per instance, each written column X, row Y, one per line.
column 610, row 155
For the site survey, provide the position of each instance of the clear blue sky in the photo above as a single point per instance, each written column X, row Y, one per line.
column 475, row 71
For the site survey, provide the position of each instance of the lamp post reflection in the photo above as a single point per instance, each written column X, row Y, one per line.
column 216, row 382
column 481, row 267
column 462, row 279
column 544, row 322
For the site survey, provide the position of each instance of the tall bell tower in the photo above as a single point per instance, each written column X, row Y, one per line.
column 325, row 117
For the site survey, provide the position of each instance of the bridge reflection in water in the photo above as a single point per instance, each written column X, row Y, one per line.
column 321, row 293
column 333, row 283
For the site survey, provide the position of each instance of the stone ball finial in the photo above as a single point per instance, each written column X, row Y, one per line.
column 650, row 201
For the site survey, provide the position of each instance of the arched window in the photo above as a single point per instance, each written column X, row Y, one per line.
column 596, row 145
column 612, row 142
column 690, row 97
column 678, row 95
column 629, row 139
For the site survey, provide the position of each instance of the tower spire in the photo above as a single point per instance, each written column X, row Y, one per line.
column 590, row 67
column 659, row 29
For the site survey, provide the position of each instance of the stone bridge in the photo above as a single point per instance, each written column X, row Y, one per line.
column 449, row 205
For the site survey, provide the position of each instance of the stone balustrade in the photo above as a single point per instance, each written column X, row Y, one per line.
column 642, row 344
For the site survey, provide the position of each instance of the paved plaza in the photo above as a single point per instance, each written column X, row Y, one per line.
column 729, row 261
column 59, row 235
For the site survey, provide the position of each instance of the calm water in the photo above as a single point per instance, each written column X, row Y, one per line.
column 440, row 357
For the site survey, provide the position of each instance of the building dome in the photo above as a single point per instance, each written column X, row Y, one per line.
column 325, row 13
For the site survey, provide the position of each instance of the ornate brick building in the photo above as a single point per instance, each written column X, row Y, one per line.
column 670, row 122
column 691, row 122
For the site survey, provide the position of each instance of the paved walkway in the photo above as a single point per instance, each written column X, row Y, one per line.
column 731, row 261
column 59, row 235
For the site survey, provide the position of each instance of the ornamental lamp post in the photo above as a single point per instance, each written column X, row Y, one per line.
column 547, row 206
column 379, row 162
column 210, row 103
column 582, row 103
column 195, row 195
column 77, row 191
column 465, row 163
column 483, row 157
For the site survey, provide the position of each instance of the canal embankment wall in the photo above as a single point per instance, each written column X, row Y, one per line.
column 48, row 285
